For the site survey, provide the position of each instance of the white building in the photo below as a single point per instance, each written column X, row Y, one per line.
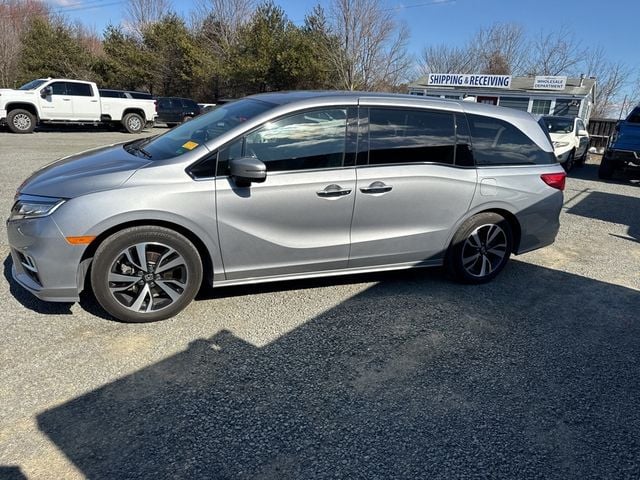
column 538, row 95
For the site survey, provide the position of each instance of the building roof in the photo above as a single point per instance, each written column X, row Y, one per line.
column 523, row 84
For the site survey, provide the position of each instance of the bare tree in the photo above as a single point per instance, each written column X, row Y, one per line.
column 15, row 16
column 142, row 13
column 555, row 53
column 446, row 59
column 611, row 77
column 221, row 21
column 500, row 49
column 370, row 52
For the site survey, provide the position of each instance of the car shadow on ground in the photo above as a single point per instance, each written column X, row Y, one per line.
column 531, row 376
column 629, row 176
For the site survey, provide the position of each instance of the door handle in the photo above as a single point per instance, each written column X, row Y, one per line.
column 94, row 101
column 376, row 187
column 333, row 190
column 66, row 99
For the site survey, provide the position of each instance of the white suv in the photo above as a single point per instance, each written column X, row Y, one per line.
column 570, row 139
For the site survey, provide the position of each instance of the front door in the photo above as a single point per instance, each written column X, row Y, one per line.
column 58, row 105
column 416, row 186
column 298, row 220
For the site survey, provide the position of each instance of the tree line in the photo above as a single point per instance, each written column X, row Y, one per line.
column 231, row 48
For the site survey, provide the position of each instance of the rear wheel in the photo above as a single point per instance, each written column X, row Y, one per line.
column 607, row 167
column 480, row 248
column 21, row 121
column 133, row 123
column 145, row 274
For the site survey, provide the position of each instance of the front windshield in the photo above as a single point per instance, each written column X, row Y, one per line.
column 32, row 84
column 559, row 124
column 193, row 134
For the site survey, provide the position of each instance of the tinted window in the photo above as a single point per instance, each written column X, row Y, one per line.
column 634, row 117
column 79, row 89
column 111, row 94
column 464, row 156
column 313, row 139
column 189, row 104
column 496, row 142
column 58, row 88
column 409, row 136
column 164, row 103
column 141, row 95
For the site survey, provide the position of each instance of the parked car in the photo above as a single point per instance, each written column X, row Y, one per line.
column 59, row 100
column 174, row 110
column 286, row 186
column 623, row 149
column 570, row 139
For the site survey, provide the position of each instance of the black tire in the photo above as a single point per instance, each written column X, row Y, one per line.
column 569, row 162
column 21, row 121
column 171, row 125
column 607, row 167
column 136, row 293
column 583, row 159
column 470, row 262
column 133, row 123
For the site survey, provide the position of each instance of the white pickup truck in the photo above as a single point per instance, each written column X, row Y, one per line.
column 59, row 100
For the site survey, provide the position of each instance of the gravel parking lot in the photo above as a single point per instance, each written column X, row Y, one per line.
column 400, row 375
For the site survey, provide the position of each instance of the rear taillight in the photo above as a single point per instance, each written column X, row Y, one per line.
column 555, row 180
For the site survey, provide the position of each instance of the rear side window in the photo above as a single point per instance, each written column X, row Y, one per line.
column 496, row 142
column 410, row 136
column 141, row 95
column 164, row 103
column 79, row 89
column 189, row 104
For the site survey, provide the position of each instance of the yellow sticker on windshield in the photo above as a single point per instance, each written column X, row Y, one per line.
column 190, row 145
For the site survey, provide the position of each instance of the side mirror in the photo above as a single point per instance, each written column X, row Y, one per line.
column 583, row 133
column 246, row 170
column 46, row 91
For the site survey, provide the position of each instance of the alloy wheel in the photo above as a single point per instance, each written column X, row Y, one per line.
column 484, row 250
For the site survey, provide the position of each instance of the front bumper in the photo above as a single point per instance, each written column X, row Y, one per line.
column 44, row 263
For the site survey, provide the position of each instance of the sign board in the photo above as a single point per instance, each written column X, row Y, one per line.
column 468, row 80
column 549, row 83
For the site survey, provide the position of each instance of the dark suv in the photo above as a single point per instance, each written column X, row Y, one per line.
column 175, row 110
column 624, row 146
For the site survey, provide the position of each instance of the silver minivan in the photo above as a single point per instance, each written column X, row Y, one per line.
column 285, row 186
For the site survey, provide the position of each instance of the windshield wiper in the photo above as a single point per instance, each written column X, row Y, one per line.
column 140, row 150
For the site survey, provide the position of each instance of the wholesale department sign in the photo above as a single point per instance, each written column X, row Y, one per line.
column 549, row 83
column 468, row 80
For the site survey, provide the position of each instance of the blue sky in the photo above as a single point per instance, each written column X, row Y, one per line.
column 612, row 25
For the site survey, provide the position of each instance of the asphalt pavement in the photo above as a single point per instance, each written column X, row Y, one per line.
column 397, row 375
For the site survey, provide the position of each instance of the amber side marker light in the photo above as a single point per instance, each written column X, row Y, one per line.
column 80, row 240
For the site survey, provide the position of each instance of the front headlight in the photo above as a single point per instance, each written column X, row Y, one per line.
column 560, row 144
column 32, row 206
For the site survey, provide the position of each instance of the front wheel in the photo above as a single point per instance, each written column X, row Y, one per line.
column 133, row 123
column 480, row 248
column 568, row 164
column 21, row 121
column 145, row 274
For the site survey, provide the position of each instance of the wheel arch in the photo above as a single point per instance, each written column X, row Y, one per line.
column 137, row 111
column 30, row 107
column 514, row 223
column 203, row 251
